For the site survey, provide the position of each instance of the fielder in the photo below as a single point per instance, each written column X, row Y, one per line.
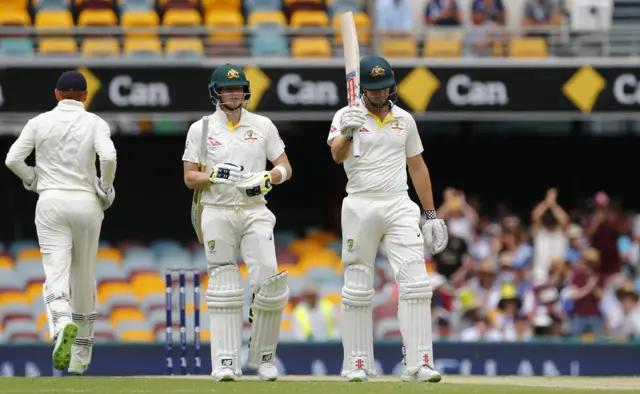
column 69, row 212
column 236, row 220
column 378, row 209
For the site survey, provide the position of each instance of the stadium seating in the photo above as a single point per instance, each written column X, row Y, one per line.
column 230, row 22
column 15, row 17
column 145, row 47
column 442, row 48
column 221, row 5
column 184, row 47
column 393, row 47
column 50, row 18
column 58, row 46
column 527, row 48
column 104, row 47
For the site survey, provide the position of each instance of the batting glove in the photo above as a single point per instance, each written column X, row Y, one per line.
column 256, row 184
column 352, row 120
column 225, row 173
column 434, row 233
column 106, row 195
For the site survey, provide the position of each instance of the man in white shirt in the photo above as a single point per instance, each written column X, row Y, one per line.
column 236, row 220
column 69, row 212
column 378, row 209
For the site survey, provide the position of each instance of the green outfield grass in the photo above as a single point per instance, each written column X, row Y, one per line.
column 317, row 385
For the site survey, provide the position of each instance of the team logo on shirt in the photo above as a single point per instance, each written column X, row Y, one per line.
column 233, row 73
column 377, row 71
column 350, row 245
column 395, row 125
column 250, row 136
column 211, row 245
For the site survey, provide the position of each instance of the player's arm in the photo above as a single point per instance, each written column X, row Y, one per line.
column 344, row 124
column 340, row 148
column 281, row 170
column 193, row 178
column 421, row 179
column 19, row 151
column 106, row 151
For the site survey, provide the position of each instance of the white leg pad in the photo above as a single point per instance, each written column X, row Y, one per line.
column 83, row 346
column 225, row 299
column 57, row 308
column 414, row 315
column 357, row 320
column 268, row 303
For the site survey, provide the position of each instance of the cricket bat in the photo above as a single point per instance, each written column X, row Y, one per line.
column 196, row 206
column 352, row 67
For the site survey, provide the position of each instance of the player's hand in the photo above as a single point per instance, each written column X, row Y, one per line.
column 225, row 173
column 33, row 186
column 106, row 195
column 435, row 235
column 255, row 184
column 352, row 120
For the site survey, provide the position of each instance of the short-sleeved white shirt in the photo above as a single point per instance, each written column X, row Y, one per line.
column 385, row 147
column 249, row 144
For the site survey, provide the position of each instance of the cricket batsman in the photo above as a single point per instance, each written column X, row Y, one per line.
column 69, row 212
column 235, row 219
column 378, row 209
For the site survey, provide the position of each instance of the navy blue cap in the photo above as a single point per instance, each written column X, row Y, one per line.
column 72, row 80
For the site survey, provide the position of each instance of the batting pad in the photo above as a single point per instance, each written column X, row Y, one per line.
column 82, row 347
column 268, row 304
column 57, row 308
column 414, row 314
column 357, row 320
column 225, row 299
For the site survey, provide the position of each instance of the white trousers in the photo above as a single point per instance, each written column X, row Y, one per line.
column 68, row 225
column 248, row 231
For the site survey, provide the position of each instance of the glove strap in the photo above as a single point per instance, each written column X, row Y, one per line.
column 430, row 214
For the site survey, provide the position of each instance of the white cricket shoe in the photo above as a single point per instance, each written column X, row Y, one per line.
column 62, row 351
column 224, row 375
column 424, row 374
column 268, row 372
column 77, row 369
column 357, row 375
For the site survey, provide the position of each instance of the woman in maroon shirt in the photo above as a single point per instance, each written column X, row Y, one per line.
column 586, row 287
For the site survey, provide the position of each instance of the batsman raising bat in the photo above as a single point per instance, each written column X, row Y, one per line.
column 378, row 209
column 235, row 219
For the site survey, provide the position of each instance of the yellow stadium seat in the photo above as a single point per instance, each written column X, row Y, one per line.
column 125, row 314
column 13, row 297
column 309, row 18
column 57, row 46
column 363, row 28
column 147, row 283
column 323, row 237
column 53, row 19
column 296, row 270
column 227, row 20
column 33, row 291
column 15, row 17
column 140, row 20
column 443, row 48
column 110, row 253
column 137, row 336
column 100, row 47
column 97, row 18
column 267, row 17
column 132, row 45
column 163, row 3
column 528, row 48
column 179, row 17
column 6, row 262
column 399, row 47
column 303, row 246
column 319, row 259
column 30, row 253
column 106, row 290
column 219, row 5
column 41, row 321
column 13, row 4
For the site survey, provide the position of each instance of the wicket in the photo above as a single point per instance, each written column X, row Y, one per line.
column 183, row 319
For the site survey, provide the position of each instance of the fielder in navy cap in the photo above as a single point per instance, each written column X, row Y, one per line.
column 71, row 86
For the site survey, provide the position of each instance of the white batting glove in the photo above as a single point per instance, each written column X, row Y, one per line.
column 225, row 173
column 33, row 186
column 352, row 120
column 106, row 195
column 434, row 233
column 255, row 184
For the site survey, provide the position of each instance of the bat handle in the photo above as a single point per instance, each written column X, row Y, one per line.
column 356, row 144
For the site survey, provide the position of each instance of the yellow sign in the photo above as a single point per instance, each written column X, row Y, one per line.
column 417, row 88
column 584, row 88
column 93, row 85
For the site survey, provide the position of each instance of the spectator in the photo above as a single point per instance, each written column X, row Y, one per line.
column 523, row 328
column 461, row 218
column 577, row 243
column 442, row 13
column 541, row 13
column 394, row 17
column 504, row 318
column 484, row 282
column 549, row 238
column 452, row 262
column 314, row 319
column 624, row 321
column 488, row 12
column 585, row 291
column 488, row 18
column 603, row 233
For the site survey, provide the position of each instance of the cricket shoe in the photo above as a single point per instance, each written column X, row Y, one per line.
column 357, row 375
column 77, row 369
column 62, row 351
column 423, row 374
column 268, row 372
column 224, row 375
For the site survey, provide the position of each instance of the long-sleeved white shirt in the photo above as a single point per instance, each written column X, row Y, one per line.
column 66, row 140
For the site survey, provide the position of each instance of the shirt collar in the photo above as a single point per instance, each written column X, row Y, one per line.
column 222, row 117
column 70, row 104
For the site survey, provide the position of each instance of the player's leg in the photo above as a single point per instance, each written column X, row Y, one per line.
column 86, row 236
column 225, row 291
column 55, row 240
column 270, row 291
column 405, row 250
column 362, row 231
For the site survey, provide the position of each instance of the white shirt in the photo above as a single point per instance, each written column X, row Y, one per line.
column 385, row 147
column 66, row 141
column 250, row 144
column 547, row 245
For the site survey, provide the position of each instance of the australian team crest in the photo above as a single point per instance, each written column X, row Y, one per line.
column 250, row 136
column 350, row 245
column 377, row 71
column 212, row 245
column 233, row 73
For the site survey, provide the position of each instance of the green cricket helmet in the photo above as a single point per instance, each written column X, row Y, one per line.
column 376, row 74
column 225, row 76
